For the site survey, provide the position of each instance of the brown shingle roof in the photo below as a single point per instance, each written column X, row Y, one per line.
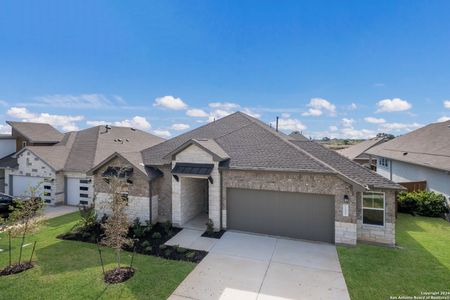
column 37, row 132
column 346, row 167
column 358, row 150
column 427, row 146
column 95, row 144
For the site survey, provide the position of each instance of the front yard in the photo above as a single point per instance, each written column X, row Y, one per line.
column 72, row 270
column 421, row 262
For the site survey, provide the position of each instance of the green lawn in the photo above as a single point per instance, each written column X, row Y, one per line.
column 420, row 263
column 71, row 270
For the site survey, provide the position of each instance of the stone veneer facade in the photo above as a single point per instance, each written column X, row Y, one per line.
column 167, row 194
column 138, row 193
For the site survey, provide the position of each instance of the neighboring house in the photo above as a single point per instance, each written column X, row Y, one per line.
column 358, row 152
column 421, row 155
column 23, row 134
column 60, row 170
column 7, row 148
column 244, row 175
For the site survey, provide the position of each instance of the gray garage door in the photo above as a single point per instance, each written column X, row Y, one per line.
column 296, row 215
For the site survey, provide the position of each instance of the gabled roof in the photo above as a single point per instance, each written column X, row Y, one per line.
column 253, row 145
column 9, row 161
column 55, row 156
column 347, row 167
column 428, row 146
column 93, row 145
column 209, row 145
column 37, row 132
column 358, row 150
column 295, row 135
column 250, row 143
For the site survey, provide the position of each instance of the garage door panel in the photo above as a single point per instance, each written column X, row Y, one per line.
column 296, row 215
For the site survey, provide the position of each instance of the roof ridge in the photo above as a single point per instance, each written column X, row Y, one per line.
column 278, row 135
column 415, row 152
column 71, row 148
column 97, row 141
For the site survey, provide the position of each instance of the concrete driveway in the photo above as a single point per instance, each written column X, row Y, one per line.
column 247, row 266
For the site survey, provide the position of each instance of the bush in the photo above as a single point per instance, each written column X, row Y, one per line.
column 138, row 230
column 145, row 244
column 190, row 255
column 210, row 227
column 156, row 235
column 162, row 247
column 181, row 249
column 167, row 226
column 168, row 252
column 424, row 203
column 148, row 249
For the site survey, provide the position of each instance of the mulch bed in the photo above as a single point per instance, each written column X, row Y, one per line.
column 214, row 234
column 16, row 268
column 149, row 242
column 119, row 275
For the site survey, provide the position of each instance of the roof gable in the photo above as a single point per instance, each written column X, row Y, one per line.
column 37, row 132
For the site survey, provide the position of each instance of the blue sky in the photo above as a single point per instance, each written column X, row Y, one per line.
column 336, row 68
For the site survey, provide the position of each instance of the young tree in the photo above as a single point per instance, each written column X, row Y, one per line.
column 25, row 218
column 117, row 224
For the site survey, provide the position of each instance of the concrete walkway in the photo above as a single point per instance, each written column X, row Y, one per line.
column 56, row 211
column 247, row 266
column 192, row 239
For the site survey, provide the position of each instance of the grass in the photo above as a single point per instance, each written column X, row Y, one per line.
column 72, row 270
column 420, row 263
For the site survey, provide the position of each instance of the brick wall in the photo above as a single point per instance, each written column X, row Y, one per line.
column 345, row 227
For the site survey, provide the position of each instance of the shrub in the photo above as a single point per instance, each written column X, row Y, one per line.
column 181, row 249
column 148, row 249
column 168, row 252
column 148, row 227
column 167, row 226
column 210, row 227
column 156, row 235
column 190, row 255
column 162, row 247
column 88, row 216
column 424, row 203
column 145, row 244
column 138, row 230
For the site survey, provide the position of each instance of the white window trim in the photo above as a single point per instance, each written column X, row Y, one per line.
column 384, row 209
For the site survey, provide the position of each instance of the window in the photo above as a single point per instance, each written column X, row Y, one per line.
column 125, row 197
column 383, row 162
column 84, row 188
column 47, row 194
column 83, row 202
column 85, row 181
column 47, row 187
column 24, row 144
column 84, row 196
column 373, row 208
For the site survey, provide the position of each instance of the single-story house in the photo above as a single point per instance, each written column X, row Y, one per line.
column 422, row 155
column 23, row 134
column 245, row 176
column 60, row 170
column 358, row 152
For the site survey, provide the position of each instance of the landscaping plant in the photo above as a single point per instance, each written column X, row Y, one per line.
column 116, row 228
column 424, row 203
column 25, row 218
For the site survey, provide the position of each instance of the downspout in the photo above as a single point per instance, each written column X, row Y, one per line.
column 150, row 201
column 221, row 199
column 390, row 169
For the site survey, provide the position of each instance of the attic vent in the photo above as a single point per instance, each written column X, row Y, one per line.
column 202, row 140
column 133, row 129
column 405, row 153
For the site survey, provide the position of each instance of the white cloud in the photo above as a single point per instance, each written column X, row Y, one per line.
column 352, row 133
column 224, row 105
column 289, row 124
column 170, row 102
column 196, row 113
column 162, row 133
column 92, row 101
column 65, row 122
column 447, row 103
column 318, row 105
column 443, row 119
column 5, row 129
column 393, row 105
column 398, row 127
column 3, row 103
column 285, row 115
column 218, row 114
column 347, row 122
column 137, row 122
column 180, row 126
column 352, row 106
column 333, row 128
column 374, row 120
column 251, row 113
